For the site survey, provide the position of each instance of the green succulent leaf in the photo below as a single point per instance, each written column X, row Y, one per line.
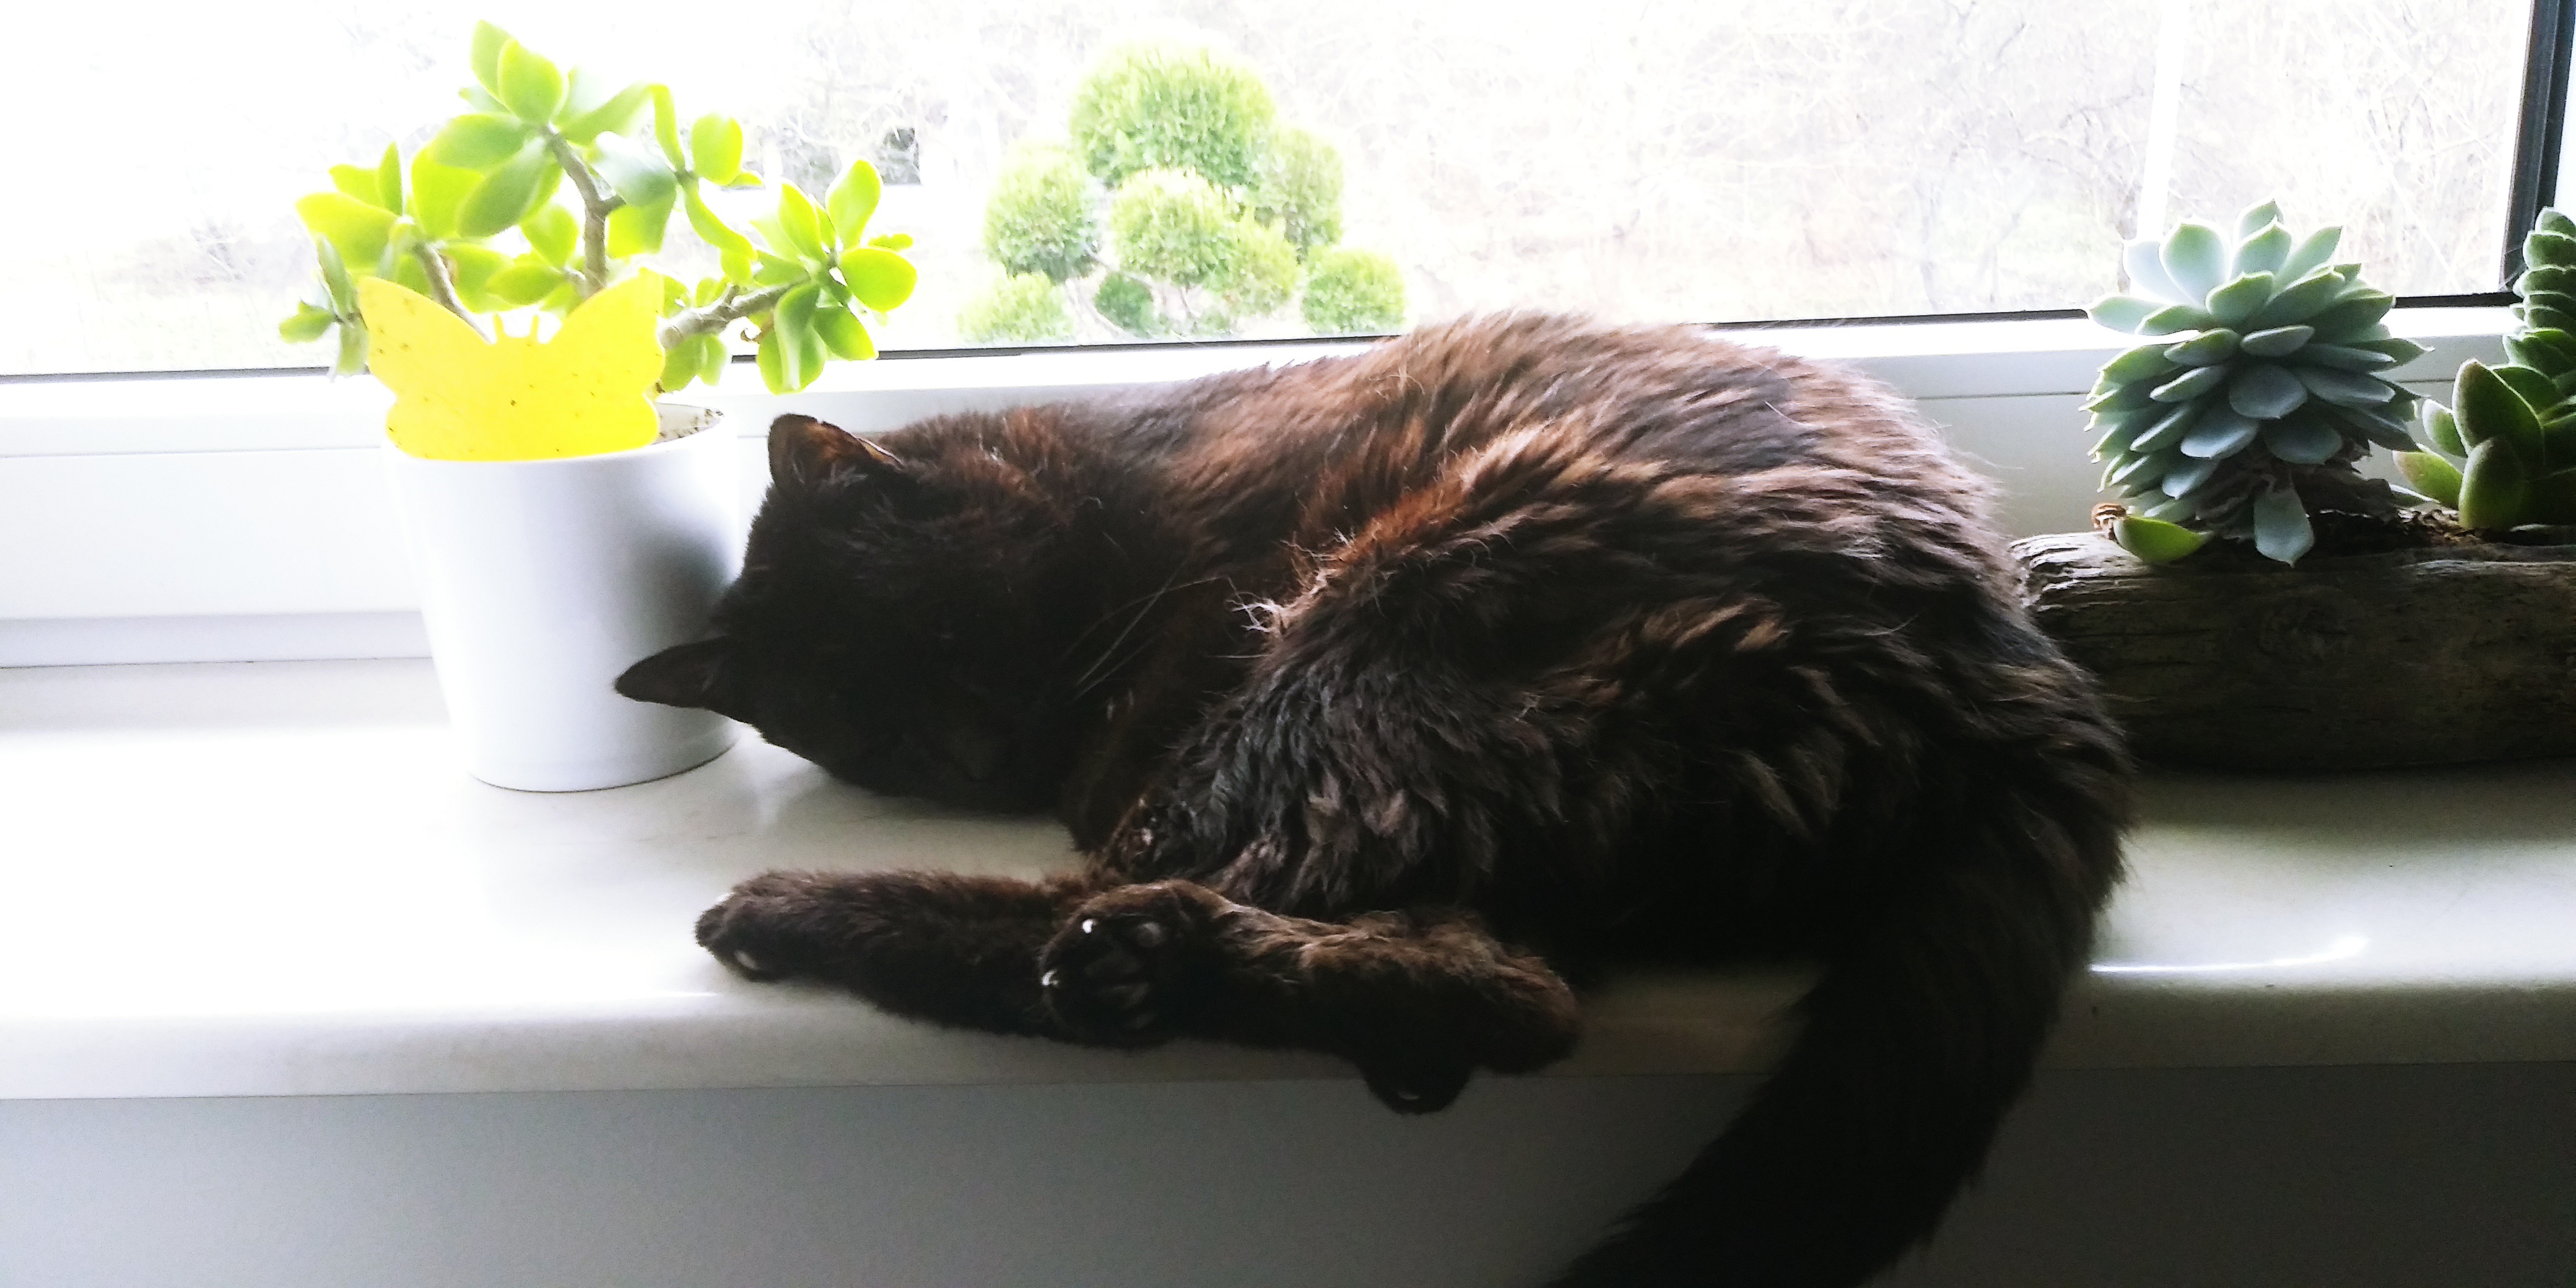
column 528, row 279
column 2265, row 250
column 2172, row 509
column 2189, row 385
column 2441, row 431
column 510, row 192
column 358, row 183
column 2203, row 348
column 2221, row 433
column 530, row 84
column 2184, row 476
column 2115, row 438
column 2123, row 312
column 2257, row 217
column 2277, row 342
column 715, row 148
column 616, row 116
column 2549, row 249
column 2312, row 253
column 484, row 55
column 2236, row 301
column 2130, row 397
column 2488, row 408
column 2154, row 540
column 843, row 333
column 2553, row 220
column 353, row 351
column 2264, row 391
column 666, row 125
column 2345, row 358
column 636, row 172
column 2144, row 260
column 2145, row 362
column 2299, row 301
column 2536, row 389
column 799, row 227
column 2141, row 469
column 2195, row 258
column 679, row 368
column 712, row 356
column 2351, row 315
column 337, row 284
column 853, row 200
column 2430, row 475
column 478, row 142
column 437, row 193
column 2552, row 498
column 2383, row 426
column 2281, row 528
column 2400, row 351
column 2167, row 431
column 880, row 279
column 359, row 230
column 2302, row 440
column 713, row 231
column 308, row 324
column 2494, row 486
column 2175, row 318
column 638, row 229
column 551, row 233
column 2344, row 388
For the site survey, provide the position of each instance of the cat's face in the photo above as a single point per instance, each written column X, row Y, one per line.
column 884, row 628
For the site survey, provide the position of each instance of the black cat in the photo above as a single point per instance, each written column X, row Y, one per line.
column 1384, row 692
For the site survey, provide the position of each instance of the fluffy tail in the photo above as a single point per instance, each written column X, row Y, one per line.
column 1922, row 1030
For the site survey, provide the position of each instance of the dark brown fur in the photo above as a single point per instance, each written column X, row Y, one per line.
column 1385, row 692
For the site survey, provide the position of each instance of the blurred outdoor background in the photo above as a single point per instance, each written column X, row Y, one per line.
column 1710, row 160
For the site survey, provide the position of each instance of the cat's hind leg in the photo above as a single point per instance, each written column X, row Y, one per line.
column 941, row 946
column 1418, row 999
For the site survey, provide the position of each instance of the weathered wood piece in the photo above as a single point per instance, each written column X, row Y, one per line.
column 2410, row 657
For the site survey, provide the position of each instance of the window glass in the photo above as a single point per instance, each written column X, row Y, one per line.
column 1716, row 161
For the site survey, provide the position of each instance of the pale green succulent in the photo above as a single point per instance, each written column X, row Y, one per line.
column 2261, row 388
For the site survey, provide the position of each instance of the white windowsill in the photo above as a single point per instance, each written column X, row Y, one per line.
column 311, row 899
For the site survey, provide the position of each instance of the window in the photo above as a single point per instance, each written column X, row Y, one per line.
column 1752, row 160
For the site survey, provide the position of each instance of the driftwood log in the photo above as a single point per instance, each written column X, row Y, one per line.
column 2409, row 657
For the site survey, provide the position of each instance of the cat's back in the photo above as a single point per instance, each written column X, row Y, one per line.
column 1318, row 449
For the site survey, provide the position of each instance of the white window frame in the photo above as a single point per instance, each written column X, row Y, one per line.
column 248, row 517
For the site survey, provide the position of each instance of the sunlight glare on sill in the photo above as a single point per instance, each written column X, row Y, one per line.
column 2345, row 947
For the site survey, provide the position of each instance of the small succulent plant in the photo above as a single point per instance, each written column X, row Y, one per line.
column 2258, row 392
column 2504, row 452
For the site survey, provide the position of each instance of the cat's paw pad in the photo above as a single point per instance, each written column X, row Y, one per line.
column 760, row 931
column 1132, row 961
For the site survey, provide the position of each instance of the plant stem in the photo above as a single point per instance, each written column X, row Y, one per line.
column 442, row 287
column 594, row 214
column 731, row 307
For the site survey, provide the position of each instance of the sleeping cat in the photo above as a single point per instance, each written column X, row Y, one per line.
column 1385, row 694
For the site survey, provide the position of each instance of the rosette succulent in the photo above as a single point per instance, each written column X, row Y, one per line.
column 2259, row 390
column 2504, row 452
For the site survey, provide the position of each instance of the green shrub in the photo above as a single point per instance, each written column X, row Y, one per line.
column 1150, row 107
column 1353, row 292
column 1026, row 307
column 1261, row 272
column 1042, row 218
column 1129, row 303
column 1173, row 225
column 1299, row 191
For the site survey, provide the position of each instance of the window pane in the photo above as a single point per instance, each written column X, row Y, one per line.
column 1697, row 160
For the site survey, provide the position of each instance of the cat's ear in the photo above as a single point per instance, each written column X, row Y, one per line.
column 804, row 451
column 687, row 675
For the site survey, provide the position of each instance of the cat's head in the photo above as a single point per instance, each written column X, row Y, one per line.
column 894, row 621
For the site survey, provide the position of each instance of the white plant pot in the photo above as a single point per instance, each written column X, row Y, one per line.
column 541, row 580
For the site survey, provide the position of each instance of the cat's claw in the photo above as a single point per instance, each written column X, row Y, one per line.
column 754, row 931
column 1133, row 962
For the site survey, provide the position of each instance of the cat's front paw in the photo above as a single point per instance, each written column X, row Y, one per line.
column 770, row 927
column 1134, row 961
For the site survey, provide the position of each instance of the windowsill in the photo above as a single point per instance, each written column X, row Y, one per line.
column 270, row 879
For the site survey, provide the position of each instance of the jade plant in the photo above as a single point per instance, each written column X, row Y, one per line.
column 2503, row 453
column 475, row 220
column 2257, row 394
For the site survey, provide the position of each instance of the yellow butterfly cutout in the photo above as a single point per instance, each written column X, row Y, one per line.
column 460, row 398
